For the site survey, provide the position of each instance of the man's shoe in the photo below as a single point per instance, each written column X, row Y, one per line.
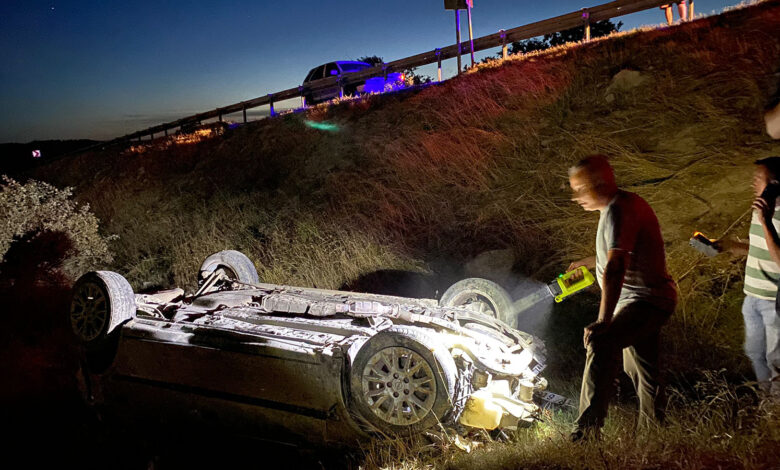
column 583, row 435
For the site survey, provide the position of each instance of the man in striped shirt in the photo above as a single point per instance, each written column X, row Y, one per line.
column 762, row 273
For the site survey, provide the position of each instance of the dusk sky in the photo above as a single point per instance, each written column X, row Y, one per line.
column 101, row 69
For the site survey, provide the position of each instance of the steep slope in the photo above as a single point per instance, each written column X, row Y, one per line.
column 425, row 181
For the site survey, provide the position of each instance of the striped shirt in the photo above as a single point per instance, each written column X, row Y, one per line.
column 761, row 272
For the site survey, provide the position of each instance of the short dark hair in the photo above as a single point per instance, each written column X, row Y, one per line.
column 772, row 164
column 596, row 165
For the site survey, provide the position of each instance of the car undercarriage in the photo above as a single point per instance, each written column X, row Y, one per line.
column 301, row 363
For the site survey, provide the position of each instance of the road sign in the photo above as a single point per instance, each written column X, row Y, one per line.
column 36, row 154
column 458, row 4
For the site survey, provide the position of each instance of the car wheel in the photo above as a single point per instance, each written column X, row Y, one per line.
column 351, row 90
column 235, row 264
column 101, row 302
column 402, row 380
column 481, row 296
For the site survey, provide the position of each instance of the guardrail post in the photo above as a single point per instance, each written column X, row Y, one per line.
column 504, row 52
column 151, row 136
column 166, row 132
column 243, row 110
column 271, row 104
column 438, row 62
column 303, row 98
column 219, row 117
column 586, row 23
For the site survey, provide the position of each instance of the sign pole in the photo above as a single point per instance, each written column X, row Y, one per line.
column 457, row 37
column 471, row 34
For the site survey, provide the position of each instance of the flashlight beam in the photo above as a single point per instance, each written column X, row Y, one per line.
column 530, row 300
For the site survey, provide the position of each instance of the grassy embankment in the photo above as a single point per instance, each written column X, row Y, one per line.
column 425, row 181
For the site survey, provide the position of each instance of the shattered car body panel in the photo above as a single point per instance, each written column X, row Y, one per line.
column 277, row 360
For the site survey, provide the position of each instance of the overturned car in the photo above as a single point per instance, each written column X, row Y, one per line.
column 296, row 363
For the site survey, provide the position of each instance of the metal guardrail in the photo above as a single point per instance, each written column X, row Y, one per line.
column 583, row 17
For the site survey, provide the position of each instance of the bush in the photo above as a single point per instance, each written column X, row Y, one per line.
column 35, row 208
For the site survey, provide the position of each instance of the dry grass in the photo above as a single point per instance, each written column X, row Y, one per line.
column 715, row 425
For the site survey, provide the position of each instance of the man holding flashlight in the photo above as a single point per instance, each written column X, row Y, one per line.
column 637, row 296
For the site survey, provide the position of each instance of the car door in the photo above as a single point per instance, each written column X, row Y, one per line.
column 316, row 74
column 332, row 71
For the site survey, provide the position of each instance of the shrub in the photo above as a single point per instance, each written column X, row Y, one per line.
column 35, row 207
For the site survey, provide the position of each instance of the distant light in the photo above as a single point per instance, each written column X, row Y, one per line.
column 321, row 126
column 36, row 154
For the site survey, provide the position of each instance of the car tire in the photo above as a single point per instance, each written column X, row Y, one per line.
column 393, row 399
column 236, row 264
column 101, row 301
column 482, row 296
column 351, row 90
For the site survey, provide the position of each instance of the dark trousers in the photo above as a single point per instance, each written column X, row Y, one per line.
column 635, row 330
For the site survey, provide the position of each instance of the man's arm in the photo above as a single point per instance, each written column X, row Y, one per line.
column 612, row 284
column 614, row 273
column 772, row 242
column 735, row 247
column 589, row 262
column 765, row 213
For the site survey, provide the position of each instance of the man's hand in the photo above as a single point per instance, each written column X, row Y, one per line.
column 589, row 262
column 594, row 329
column 764, row 209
